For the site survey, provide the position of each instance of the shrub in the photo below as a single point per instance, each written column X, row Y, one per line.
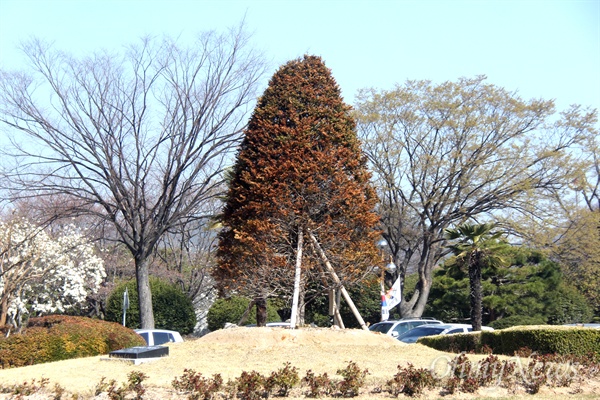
column 231, row 310
column 354, row 379
column 173, row 309
column 544, row 340
column 250, row 386
column 283, row 380
column 196, row 386
column 59, row 337
column 517, row 320
column 318, row 385
column 410, row 381
column 457, row 343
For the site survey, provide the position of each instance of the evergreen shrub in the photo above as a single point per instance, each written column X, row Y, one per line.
column 59, row 337
column 518, row 320
column 545, row 339
column 173, row 309
column 231, row 309
column 457, row 343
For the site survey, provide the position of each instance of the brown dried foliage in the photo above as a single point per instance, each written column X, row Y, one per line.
column 300, row 166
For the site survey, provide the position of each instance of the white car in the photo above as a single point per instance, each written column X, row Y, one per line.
column 442, row 329
column 155, row 337
column 395, row 328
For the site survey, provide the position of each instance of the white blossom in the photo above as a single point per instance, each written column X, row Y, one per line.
column 40, row 274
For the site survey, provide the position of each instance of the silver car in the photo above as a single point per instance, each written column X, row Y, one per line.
column 443, row 329
column 396, row 328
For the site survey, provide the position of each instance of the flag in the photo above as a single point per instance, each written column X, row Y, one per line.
column 385, row 312
column 390, row 299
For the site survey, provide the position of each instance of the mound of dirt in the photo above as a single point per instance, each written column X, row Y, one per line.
column 229, row 352
column 262, row 337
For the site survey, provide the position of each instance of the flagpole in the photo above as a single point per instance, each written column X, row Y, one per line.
column 125, row 304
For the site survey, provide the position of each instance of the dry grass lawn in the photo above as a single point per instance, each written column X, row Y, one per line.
column 231, row 351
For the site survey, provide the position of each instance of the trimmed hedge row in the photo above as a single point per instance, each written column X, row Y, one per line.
column 540, row 339
column 59, row 337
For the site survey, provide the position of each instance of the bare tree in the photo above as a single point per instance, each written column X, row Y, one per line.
column 444, row 154
column 138, row 140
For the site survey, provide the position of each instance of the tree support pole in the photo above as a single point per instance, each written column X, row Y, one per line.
column 336, row 279
column 294, row 316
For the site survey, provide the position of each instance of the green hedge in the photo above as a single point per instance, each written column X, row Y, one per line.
column 59, row 337
column 456, row 343
column 545, row 339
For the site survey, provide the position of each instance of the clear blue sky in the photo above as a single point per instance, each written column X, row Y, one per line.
column 548, row 49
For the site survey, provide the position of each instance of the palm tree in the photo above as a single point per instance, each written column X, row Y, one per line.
column 475, row 248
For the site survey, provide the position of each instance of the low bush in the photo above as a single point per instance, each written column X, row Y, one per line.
column 457, row 343
column 517, row 320
column 411, row 381
column 544, row 339
column 59, row 337
column 173, row 309
column 354, row 379
column 231, row 310
column 197, row 386
column 283, row 380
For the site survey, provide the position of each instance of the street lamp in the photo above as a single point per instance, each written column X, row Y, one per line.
column 391, row 267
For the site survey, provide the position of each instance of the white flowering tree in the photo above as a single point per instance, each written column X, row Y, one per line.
column 40, row 274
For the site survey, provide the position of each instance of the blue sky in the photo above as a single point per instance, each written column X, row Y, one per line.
column 548, row 49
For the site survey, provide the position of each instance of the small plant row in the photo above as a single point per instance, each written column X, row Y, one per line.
column 252, row 385
column 460, row 375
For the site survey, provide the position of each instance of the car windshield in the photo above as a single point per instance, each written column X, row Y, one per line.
column 382, row 327
column 422, row 331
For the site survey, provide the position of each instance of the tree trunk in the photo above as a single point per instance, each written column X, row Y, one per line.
column 302, row 303
column 144, row 293
column 246, row 313
column 336, row 279
column 337, row 317
column 3, row 310
column 261, row 311
column 476, row 292
column 294, row 317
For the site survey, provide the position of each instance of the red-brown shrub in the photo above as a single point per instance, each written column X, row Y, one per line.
column 59, row 337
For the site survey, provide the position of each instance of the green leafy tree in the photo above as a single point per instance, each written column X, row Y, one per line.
column 299, row 173
column 442, row 154
column 528, row 290
column 174, row 310
column 476, row 246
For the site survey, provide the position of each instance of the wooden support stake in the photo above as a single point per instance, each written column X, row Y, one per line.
column 336, row 279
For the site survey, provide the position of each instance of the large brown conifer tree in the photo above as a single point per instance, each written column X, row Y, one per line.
column 300, row 171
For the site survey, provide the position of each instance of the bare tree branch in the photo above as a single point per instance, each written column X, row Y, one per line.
column 138, row 140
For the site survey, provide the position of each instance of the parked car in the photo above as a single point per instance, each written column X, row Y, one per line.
column 396, row 328
column 155, row 337
column 442, row 329
column 586, row 325
column 272, row 325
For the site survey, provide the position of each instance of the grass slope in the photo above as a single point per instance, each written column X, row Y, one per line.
column 231, row 351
